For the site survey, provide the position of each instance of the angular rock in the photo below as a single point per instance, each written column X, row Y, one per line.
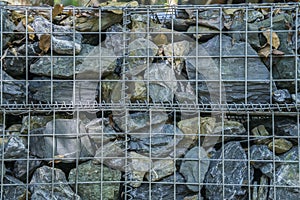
column 70, row 141
column 17, row 60
column 280, row 145
column 108, row 84
column 112, row 155
column 229, row 128
column 15, row 148
column 160, row 169
column 260, row 131
column 42, row 90
column 139, row 121
column 16, row 190
column 233, row 76
column 139, row 166
column 263, row 190
column 13, row 91
column 63, row 39
column 7, row 26
column 202, row 33
column 114, row 39
column 162, row 139
column 34, row 121
column 140, row 50
column 20, row 168
column 261, row 152
column 41, row 185
column 2, row 170
column 162, row 190
column 162, row 82
column 88, row 172
column 190, row 168
column 282, row 96
column 236, row 173
column 137, row 90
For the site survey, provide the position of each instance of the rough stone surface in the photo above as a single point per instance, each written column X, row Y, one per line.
column 70, row 141
column 236, row 173
column 233, row 76
column 89, row 172
column 7, row 26
column 20, row 168
column 162, row 84
column 63, row 41
column 280, row 145
column 41, row 185
column 160, row 169
column 15, row 148
column 17, row 189
column 162, row 190
column 190, row 168
column 261, row 152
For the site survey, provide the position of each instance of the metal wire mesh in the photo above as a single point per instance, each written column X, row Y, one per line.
column 155, row 102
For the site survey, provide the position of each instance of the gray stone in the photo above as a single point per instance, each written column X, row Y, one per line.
column 13, row 90
column 63, row 39
column 7, row 26
column 282, row 96
column 164, row 190
column 34, row 121
column 112, row 155
column 2, row 170
column 263, row 190
column 42, row 90
column 160, row 142
column 63, row 138
column 20, row 167
column 202, row 33
column 41, row 185
column 19, row 58
column 14, row 189
column 190, row 168
column 233, row 76
column 160, row 169
column 114, row 39
column 262, row 158
column 162, row 82
column 89, row 172
column 140, row 50
column 236, row 173
column 15, row 148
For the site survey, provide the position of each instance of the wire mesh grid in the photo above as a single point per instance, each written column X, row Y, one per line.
column 156, row 102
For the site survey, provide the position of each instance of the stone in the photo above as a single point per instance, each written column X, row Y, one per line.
column 13, row 90
column 162, row 82
column 261, row 152
column 139, row 122
column 195, row 161
column 202, row 33
column 43, row 90
column 63, row 39
column 282, row 96
column 100, row 176
column 70, row 141
column 160, row 169
column 112, row 155
column 34, row 121
column 261, row 133
column 2, row 170
column 114, row 39
column 162, row 190
column 41, row 185
column 14, row 129
column 14, row 189
column 236, row 173
column 6, row 26
column 263, row 190
column 15, row 148
column 137, row 89
column 20, row 167
column 159, row 142
column 233, row 76
column 139, row 51
column 280, row 145
column 229, row 128
column 107, row 89
column 139, row 165
column 16, row 61
column 296, row 98
column 254, row 15
column 90, row 23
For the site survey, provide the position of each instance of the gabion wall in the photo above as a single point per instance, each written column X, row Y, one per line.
column 131, row 102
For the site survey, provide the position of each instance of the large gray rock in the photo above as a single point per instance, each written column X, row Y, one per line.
column 207, row 67
column 62, row 138
column 15, row 148
column 20, row 169
column 14, row 189
column 13, row 90
column 98, row 175
column 233, row 172
column 195, row 161
column 162, row 82
column 164, row 190
column 63, row 39
column 62, row 91
column 41, row 185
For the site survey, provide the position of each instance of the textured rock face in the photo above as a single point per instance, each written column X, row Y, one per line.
column 42, row 185
column 88, row 172
column 236, row 173
column 232, row 76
